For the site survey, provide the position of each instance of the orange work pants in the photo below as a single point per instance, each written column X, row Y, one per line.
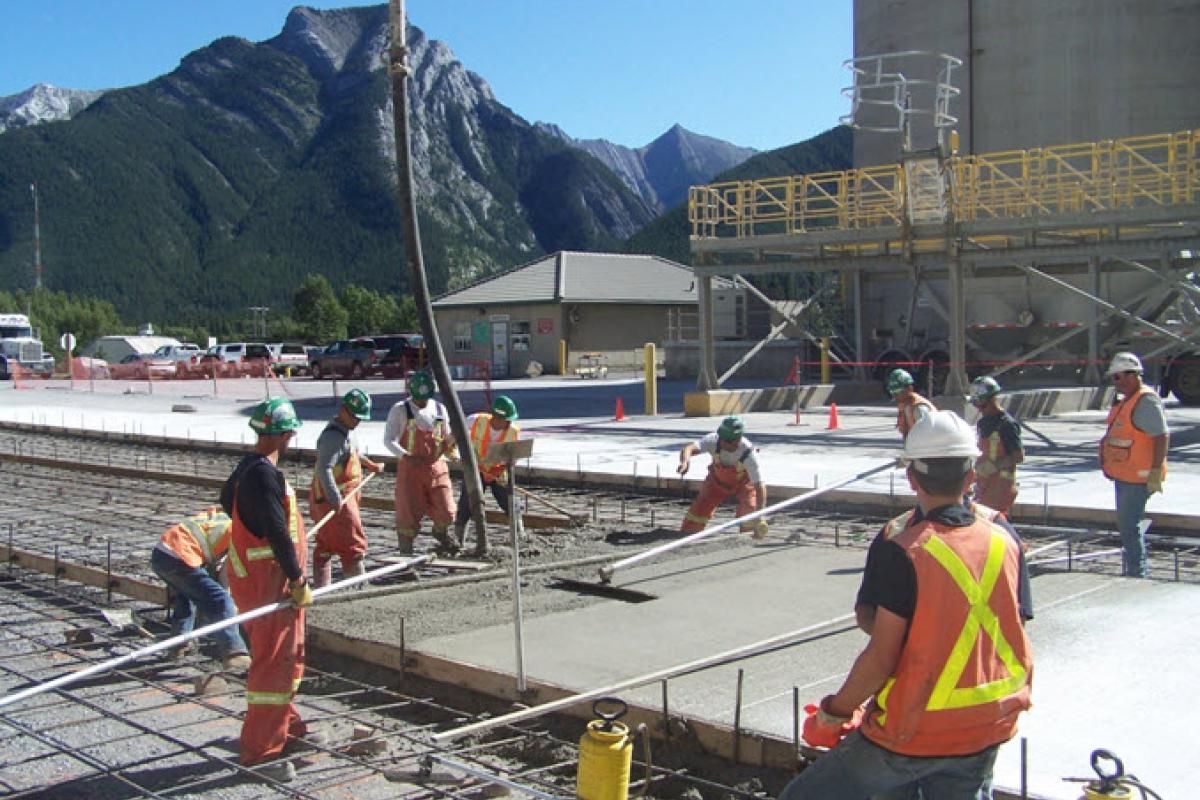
column 423, row 490
column 714, row 492
column 276, row 667
column 343, row 536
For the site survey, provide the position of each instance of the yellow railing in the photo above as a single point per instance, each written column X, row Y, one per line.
column 1073, row 179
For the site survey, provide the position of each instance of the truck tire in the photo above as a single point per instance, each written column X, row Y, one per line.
column 317, row 373
column 1185, row 379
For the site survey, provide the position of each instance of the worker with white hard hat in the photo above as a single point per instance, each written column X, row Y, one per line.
column 999, row 438
column 947, row 670
column 1133, row 454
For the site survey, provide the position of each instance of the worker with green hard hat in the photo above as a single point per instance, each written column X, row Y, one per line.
column 734, row 472
column 999, row 438
column 268, row 554
column 910, row 405
column 339, row 469
column 418, row 434
column 486, row 430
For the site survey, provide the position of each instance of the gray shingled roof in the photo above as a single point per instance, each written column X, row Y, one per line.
column 570, row 277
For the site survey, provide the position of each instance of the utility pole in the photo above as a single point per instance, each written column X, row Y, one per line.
column 396, row 58
column 260, row 315
column 37, row 239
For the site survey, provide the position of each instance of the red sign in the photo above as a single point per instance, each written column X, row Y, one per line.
column 545, row 325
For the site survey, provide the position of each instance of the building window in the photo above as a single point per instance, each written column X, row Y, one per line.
column 520, row 336
column 462, row 337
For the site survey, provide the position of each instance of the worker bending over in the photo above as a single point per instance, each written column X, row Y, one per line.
column 910, row 405
column 948, row 668
column 418, row 433
column 999, row 438
column 188, row 558
column 734, row 472
column 268, row 552
column 1133, row 455
column 338, row 471
column 486, row 430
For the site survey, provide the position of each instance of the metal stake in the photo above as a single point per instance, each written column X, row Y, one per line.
column 622, row 510
column 514, row 524
column 796, row 719
column 737, row 718
column 837, row 535
column 666, row 712
column 108, row 568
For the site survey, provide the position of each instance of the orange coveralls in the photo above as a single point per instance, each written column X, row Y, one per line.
column 423, row 478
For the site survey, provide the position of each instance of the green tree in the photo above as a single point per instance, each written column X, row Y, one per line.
column 55, row 313
column 317, row 310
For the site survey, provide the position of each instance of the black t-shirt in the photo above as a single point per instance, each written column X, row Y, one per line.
column 890, row 580
column 1007, row 426
column 261, row 489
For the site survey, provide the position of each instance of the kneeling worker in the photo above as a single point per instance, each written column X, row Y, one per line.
column 338, row 470
column 734, row 472
column 418, row 433
column 948, row 668
column 486, row 430
column 188, row 557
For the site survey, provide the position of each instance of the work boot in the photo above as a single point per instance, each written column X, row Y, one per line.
column 353, row 569
column 236, row 662
column 404, row 543
column 445, row 543
column 180, row 651
column 281, row 771
column 460, row 533
column 322, row 572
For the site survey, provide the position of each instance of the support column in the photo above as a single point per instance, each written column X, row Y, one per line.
column 860, row 354
column 706, row 380
column 1091, row 375
column 956, row 380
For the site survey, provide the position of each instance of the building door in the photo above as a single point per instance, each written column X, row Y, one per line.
column 500, row 348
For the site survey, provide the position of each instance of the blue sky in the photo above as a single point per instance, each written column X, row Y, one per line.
column 760, row 73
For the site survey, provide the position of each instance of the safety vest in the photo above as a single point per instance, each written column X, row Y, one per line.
column 255, row 577
column 1127, row 451
column 200, row 539
column 897, row 525
column 729, row 477
column 966, row 667
column 992, row 449
column 345, row 477
column 904, row 418
column 420, row 444
column 480, row 441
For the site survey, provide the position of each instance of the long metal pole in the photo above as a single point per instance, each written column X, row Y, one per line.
column 398, row 71
column 606, row 572
column 745, row 651
column 174, row 641
column 514, row 523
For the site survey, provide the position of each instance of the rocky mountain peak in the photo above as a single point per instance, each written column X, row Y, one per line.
column 324, row 40
column 43, row 102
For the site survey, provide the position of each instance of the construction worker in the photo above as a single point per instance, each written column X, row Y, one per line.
column 338, row 470
column 486, row 430
column 1000, row 448
column 1133, row 454
column 418, row 433
column 268, row 552
column 734, row 471
column 948, row 666
column 187, row 558
column 910, row 405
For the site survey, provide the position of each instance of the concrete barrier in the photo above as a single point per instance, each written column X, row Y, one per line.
column 720, row 402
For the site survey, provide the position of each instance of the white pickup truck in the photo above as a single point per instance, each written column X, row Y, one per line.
column 180, row 352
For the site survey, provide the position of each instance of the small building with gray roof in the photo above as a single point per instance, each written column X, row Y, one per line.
column 594, row 302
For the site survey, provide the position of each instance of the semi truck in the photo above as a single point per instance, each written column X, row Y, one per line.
column 20, row 347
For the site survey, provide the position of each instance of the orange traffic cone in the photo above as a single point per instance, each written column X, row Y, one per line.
column 620, row 415
column 833, row 418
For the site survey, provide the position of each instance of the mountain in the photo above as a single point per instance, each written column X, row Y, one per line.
column 830, row 151
column 221, row 184
column 43, row 103
column 661, row 172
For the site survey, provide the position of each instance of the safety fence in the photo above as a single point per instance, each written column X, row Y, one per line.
column 1135, row 172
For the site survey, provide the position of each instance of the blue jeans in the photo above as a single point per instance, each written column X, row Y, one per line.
column 857, row 769
column 1131, row 502
column 195, row 590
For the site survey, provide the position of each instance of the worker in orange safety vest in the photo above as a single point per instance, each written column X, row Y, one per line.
column 910, row 405
column 948, row 668
column 337, row 472
column 1133, row 455
column 418, row 433
column 268, row 553
column 999, row 438
column 734, row 472
column 485, row 431
column 189, row 558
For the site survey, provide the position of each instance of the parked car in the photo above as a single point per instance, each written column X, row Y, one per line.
column 142, row 366
column 406, row 353
column 357, row 358
column 179, row 352
column 288, row 358
column 85, row 368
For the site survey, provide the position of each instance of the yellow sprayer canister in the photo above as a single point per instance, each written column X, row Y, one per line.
column 605, row 755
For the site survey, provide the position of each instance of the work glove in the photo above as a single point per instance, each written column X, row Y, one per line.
column 761, row 528
column 1154, row 480
column 301, row 593
column 822, row 729
column 375, row 468
column 682, row 469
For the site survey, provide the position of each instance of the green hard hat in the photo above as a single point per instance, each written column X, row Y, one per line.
column 983, row 388
column 731, row 428
column 505, row 408
column 273, row 416
column 897, row 380
column 358, row 402
column 420, row 384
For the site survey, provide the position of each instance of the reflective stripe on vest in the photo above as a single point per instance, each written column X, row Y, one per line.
column 480, row 440
column 437, row 433
column 208, row 530
column 345, row 477
column 904, row 420
column 1128, row 451
column 269, row 698
column 238, row 566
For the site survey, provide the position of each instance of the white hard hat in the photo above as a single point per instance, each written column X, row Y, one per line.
column 940, row 434
column 1124, row 362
